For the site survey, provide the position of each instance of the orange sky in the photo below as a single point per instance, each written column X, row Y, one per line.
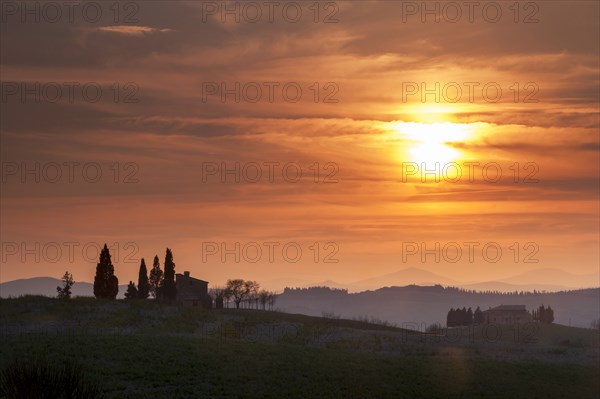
column 374, row 127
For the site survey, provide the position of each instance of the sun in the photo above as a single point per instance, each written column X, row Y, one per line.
column 429, row 142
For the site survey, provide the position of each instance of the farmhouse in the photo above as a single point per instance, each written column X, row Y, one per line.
column 192, row 291
column 507, row 314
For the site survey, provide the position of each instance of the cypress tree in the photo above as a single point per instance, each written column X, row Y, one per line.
column 106, row 284
column 169, row 291
column 478, row 316
column 450, row 318
column 550, row 315
column 143, row 287
column 542, row 314
column 156, row 278
column 132, row 292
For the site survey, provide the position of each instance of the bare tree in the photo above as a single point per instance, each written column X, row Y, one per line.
column 227, row 297
column 263, row 296
column 252, row 287
column 271, row 299
column 217, row 294
column 238, row 290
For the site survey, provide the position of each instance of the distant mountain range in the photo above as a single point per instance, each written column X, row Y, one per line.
column 539, row 279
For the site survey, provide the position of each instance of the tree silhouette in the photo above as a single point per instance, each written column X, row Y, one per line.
column 169, row 291
column 252, row 288
column 238, row 290
column 478, row 316
column 64, row 292
column 462, row 317
column 543, row 314
column 450, row 318
column 217, row 294
column 143, row 286
column 132, row 292
column 549, row 315
column 271, row 300
column 106, row 284
column 156, row 277
column 227, row 295
column 263, row 296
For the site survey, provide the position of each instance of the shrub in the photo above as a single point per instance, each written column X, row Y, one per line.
column 330, row 315
column 434, row 328
column 42, row 379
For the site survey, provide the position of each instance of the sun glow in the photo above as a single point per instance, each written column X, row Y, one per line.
column 429, row 141
column 433, row 113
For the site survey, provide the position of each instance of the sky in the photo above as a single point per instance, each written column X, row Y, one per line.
column 301, row 142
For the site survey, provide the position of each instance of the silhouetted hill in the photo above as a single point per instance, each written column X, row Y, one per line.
column 407, row 304
column 507, row 287
column 429, row 304
column 550, row 276
column 411, row 275
column 539, row 279
column 145, row 349
column 46, row 286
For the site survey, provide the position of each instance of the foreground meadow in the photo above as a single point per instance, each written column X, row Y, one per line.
column 143, row 350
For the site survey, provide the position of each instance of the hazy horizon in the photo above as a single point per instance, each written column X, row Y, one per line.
column 526, row 282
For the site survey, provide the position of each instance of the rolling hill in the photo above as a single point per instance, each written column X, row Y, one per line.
column 46, row 286
column 425, row 305
column 142, row 349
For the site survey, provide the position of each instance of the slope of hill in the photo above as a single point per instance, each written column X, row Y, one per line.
column 426, row 305
column 411, row 275
column 334, row 284
column 552, row 276
column 142, row 349
column 508, row 287
column 408, row 304
column 46, row 286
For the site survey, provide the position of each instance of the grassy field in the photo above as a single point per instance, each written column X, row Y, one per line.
column 143, row 350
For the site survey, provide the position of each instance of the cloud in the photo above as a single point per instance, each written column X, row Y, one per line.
column 132, row 30
column 171, row 131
